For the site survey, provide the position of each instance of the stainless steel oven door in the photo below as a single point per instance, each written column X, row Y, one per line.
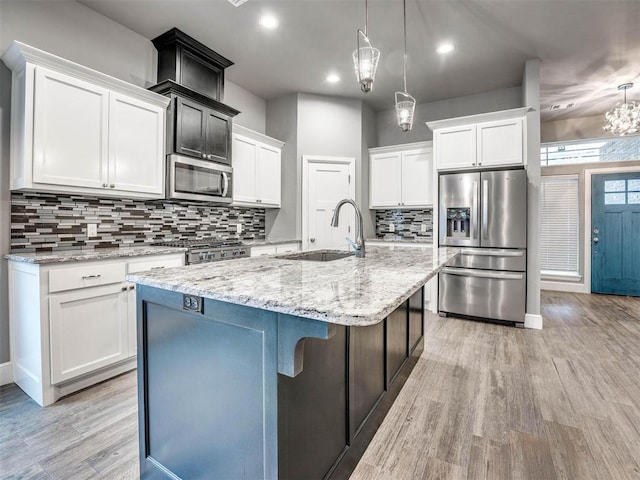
column 191, row 179
column 483, row 293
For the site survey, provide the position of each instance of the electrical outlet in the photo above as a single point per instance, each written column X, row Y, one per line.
column 239, row 228
column 423, row 228
column 92, row 230
column 392, row 227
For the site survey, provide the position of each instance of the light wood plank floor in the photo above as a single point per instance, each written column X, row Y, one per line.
column 484, row 402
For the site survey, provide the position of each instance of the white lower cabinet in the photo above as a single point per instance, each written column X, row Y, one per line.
column 261, row 250
column 83, row 340
column 82, row 330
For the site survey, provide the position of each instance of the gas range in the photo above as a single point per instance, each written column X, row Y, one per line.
column 204, row 250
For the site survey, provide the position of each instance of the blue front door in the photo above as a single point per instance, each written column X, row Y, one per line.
column 615, row 234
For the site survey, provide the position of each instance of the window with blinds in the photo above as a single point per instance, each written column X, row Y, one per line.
column 560, row 226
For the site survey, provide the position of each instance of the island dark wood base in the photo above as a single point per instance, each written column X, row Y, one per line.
column 227, row 391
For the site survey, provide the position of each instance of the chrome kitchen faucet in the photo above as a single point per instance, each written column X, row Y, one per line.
column 358, row 245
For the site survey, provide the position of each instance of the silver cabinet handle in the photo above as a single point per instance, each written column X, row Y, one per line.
column 112, row 186
column 312, row 240
column 156, row 268
column 485, row 208
column 132, row 287
column 124, row 289
column 204, row 155
column 86, row 277
column 466, row 272
column 493, row 253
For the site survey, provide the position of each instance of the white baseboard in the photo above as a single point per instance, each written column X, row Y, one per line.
column 6, row 373
column 532, row 320
column 564, row 287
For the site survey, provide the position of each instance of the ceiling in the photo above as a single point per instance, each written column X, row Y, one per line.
column 586, row 47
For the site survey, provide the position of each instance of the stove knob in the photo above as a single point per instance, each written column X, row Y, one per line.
column 223, row 254
column 242, row 252
column 203, row 256
column 236, row 253
column 212, row 256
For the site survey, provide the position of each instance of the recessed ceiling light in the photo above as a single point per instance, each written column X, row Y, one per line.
column 445, row 48
column 333, row 78
column 269, row 21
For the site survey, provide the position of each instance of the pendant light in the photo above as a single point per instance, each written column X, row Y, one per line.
column 365, row 58
column 405, row 103
column 624, row 118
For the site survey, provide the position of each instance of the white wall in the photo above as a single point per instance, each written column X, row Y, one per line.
column 253, row 109
column 388, row 132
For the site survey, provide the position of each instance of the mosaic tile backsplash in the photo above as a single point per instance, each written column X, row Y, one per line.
column 47, row 222
column 407, row 224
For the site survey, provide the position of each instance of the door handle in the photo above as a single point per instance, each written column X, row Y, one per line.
column 485, row 208
column 225, row 179
column 474, row 210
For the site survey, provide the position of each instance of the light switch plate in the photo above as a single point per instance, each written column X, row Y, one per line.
column 392, row 227
column 239, row 228
column 423, row 228
column 92, row 230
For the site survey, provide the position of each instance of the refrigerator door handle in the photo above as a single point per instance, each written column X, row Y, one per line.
column 466, row 272
column 485, row 208
column 493, row 253
column 474, row 210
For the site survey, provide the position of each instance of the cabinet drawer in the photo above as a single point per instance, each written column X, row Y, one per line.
column 85, row 276
column 154, row 263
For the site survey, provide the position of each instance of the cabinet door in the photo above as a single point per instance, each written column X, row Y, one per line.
column 455, row 147
column 190, row 128
column 217, row 133
column 417, row 179
column 384, row 174
column 70, row 131
column 245, row 153
column 132, row 320
column 88, row 331
column 136, row 153
column 268, row 176
column 500, row 143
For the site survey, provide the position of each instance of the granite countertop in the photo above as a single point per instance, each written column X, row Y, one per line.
column 64, row 256
column 349, row 291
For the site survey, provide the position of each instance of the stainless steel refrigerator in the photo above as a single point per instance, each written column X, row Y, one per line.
column 485, row 214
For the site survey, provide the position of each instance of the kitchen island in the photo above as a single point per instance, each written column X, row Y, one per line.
column 275, row 367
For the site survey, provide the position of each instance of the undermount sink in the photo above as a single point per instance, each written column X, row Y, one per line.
column 317, row 255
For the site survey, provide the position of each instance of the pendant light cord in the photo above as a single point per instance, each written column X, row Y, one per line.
column 366, row 18
column 404, row 19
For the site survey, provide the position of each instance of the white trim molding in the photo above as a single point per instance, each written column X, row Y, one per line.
column 532, row 320
column 6, row 373
column 563, row 286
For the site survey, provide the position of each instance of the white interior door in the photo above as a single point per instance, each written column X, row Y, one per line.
column 328, row 182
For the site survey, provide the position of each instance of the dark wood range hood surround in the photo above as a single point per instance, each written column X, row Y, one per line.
column 198, row 122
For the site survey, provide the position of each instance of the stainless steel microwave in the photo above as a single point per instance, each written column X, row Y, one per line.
column 201, row 180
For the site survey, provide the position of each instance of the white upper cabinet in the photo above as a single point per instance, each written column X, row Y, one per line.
column 257, row 167
column 401, row 176
column 75, row 130
column 480, row 141
column 70, row 144
column 136, row 141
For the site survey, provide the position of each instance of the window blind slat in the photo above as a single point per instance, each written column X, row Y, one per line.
column 560, row 224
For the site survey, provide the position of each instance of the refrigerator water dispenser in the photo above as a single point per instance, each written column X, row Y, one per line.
column 458, row 222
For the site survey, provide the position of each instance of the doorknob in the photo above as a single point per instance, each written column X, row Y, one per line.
column 596, row 239
column 312, row 240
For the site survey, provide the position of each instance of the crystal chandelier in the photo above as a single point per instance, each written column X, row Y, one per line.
column 625, row 118
column 365, row 58
column 405, row 103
